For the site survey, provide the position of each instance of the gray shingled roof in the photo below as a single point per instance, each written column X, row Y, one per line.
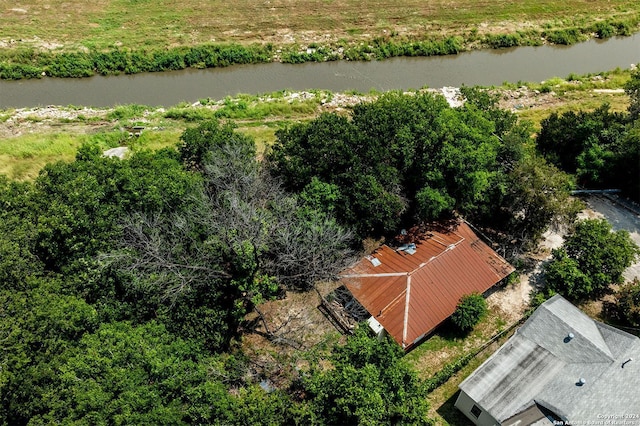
column 540, row 364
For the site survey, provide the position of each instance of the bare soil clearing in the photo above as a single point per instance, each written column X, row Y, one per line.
column 513, row 300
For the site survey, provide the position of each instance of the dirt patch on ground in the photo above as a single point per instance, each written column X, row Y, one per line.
column 293, row 322
column 513, row 300
column 277, row 339
column 51, row 119
column 525, row 98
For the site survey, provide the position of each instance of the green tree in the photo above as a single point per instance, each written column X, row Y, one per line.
column 370, row 384
column 198, row 143
column 626, row 162
column 124, row 375
column 18, row 260
column 632, row 89
column 602, row 148
column 563, row 138
column 36, row 328
column 627, row 304
column 397, row 159
column 563, row 275
column 79, row 204
column 537, row 195
column 320, row 196
column 592, row 258
column 469, row 311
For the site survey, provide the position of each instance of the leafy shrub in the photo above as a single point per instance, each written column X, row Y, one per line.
column 169, row 60
column 442, row 376
column 126, row 112
column 625, row 28
column 371, row 383
column 566, row 37
column 470, row 310
column 502, row 40
column 28, row 63
column 113, row 62
column 605, row 30
column 70, row 65
column 18, row 71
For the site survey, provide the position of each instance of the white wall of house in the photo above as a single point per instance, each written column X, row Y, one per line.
column 465, row 404
column 377, row 328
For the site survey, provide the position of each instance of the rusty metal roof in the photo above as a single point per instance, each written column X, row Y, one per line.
column 411, row 294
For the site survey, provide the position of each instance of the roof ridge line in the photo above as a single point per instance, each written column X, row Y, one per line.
column 395, row 299
column 574, row 330
column 448, row 249
column 406, row 310
column 381, row 274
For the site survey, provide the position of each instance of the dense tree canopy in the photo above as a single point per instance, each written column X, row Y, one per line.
column 403, row 159
column 124, row 283
column 369, row 384
column 80, row 203
column 626, row 308
column 602, row 148
column 632, row 88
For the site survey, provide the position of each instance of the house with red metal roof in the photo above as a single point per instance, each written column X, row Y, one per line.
column 411, row 289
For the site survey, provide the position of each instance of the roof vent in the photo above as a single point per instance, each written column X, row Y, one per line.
column 581, row 381
column 374, row 261
column 408, row 248
column 629, row 360
column 569, row 337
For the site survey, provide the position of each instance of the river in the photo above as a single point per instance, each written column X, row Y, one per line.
column 482, row 67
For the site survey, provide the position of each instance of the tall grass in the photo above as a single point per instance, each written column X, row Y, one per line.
column 22, row 157
column 127, row 112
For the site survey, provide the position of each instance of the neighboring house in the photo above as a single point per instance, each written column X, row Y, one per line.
column 560, row 367
column 412, row 289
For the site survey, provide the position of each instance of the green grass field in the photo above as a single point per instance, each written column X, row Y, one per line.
column 160, row 24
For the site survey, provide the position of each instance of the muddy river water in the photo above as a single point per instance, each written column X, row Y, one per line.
column 485, row 67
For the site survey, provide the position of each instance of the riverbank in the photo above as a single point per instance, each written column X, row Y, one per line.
column 74, row 39
column 32, row 137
